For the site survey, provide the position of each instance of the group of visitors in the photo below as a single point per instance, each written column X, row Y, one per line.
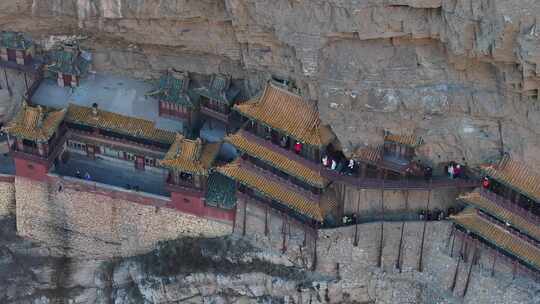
column 455, row 170
column 340, row 164
column 86, row 175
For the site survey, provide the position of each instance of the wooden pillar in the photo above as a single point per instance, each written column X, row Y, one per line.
column 420, row 261
column 454, row 280
column 469, row 273
column 493, row 265
column 244, row 218
column 355, row 241
column 381, row 242
column 400, row 246
column 314, row 263
column 284, row 233
column 266, row 220
column 452, row 247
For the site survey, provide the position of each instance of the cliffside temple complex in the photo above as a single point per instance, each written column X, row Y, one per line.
column 504, row 213
column 83, row 164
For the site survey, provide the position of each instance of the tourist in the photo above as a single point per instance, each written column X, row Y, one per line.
column 457, row 171
column 87, row 176
column 451, row 171
column 283, row 142
column 485, row 183
column 297, row 147
column 78, row 174
column 334, row 164
column 350, row 166
column 325, row 161
column 428, row 173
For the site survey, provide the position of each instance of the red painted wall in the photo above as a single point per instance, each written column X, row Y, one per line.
column 29, row 169
column 194, row 204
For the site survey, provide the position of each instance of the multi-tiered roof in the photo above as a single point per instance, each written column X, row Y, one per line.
column 502, row 221
column 173, row 87
column 68, row 59
column 289, row 113
column 219, row 89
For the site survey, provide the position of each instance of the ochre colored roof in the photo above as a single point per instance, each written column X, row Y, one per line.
column 35, row 123
column 406, row 140
column 499, row 236
column 131, row 126
column 482, row 202
column 516, row 175
column 254, row 178
column 190, row 156
column 289, row 113
column 278, row 160
column 368, row 154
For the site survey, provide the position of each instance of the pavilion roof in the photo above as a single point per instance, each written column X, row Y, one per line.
column 273, row 188
column 369, row 154
column 219, row 89
column 126, row 125
column 404, row 139
column 191, row 156
column 67, row 60
column 173, row 87
column 289, row 113
column 515, row 175
column 276, row 158
column 14, row 40
column 483, row 203
column 499, row 236
column 35, row 123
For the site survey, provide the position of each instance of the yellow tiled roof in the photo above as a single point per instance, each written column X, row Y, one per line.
column 289, row 113
column 248, row 175
column 407, row 140
column 369, row 154
column 499, row 236
column 277, row 160
column 476, row 199
column 191, row 156
column 517, row 175
column 131, row 126
column 35, row 123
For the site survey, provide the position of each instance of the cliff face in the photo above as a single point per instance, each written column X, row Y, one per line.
column 461, row 73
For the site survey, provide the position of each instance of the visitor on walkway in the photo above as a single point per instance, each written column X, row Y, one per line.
column 485, row 183
column 78, row 174
column 428, row 173
column 451, row 171
column 334, row 164
column 350, row 166
column 325, row 161
column 87, row 176
column 457, row 171
column 297, row 147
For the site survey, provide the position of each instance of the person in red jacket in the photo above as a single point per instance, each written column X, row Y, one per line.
column 485, row 183
column 297, row 147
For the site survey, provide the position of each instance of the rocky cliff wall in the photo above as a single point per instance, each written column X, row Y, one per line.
column 79, row 223
column 461, row 73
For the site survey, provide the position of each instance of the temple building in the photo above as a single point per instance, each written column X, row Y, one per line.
column 14, row 47
column 97, row 132
column 67, row 64
column 35, row 136
column 176, row 100
column 394, row 156
column 504, row 212
column 218, row 98
column 280, row 146
column 188, row 163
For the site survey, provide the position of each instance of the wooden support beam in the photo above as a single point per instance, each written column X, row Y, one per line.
column 398, row 259
column 514, row 269
column 450, row 238
column 469, row 273
column 420, row 260
column 314, row 263
column 26, row 82
column 355, row 242
column 454, row 280
column 381, row 242
column 284, row 233
column 493, row 265
column 266, row 220
column 244, row 218
column 461, row 247
column 7, row 84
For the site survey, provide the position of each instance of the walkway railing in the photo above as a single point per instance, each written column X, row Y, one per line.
column 27, row 68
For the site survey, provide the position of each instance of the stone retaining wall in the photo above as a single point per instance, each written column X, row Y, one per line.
column 95, row 224
column 7, row 195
